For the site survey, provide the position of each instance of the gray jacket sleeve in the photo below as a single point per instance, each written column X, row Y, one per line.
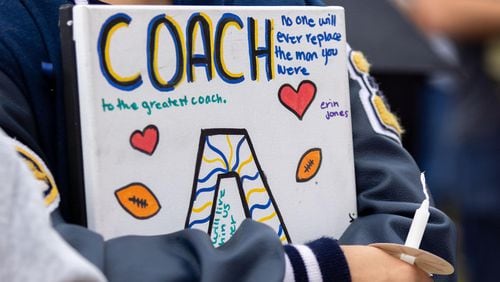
column 388, row 181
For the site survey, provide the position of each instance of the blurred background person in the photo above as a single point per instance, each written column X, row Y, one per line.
column 438, row 62
column 461, row 121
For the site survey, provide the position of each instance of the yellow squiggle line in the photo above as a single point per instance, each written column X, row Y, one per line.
column 249, row 160
column 202, row 208
column 266, row 218
column 230, row 151
column 254, row 190
column 214, row 160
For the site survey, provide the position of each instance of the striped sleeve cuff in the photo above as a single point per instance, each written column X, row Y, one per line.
column 319, row 260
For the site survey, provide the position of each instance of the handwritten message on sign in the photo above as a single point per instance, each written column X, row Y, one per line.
column 202, row 117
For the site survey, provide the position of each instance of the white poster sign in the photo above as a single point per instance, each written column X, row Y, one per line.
column 200, row 117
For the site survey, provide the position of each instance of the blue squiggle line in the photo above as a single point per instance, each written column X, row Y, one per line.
column 245, row 177
column 260, row 207
column 203, row 190
column 212, row 172
column 280, row 230
column 218, row 152
column 199, row 221
column 238, row 153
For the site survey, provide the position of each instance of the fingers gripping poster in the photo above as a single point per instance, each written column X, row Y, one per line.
column 202, row 117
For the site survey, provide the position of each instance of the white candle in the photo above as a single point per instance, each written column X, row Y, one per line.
column 418, row 224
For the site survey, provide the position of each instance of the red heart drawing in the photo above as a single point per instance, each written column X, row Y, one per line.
column 146, row 140
column 297, row 101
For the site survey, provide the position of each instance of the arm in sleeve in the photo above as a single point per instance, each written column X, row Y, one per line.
column 31, row 250
column 254, row 253
column 387, row 178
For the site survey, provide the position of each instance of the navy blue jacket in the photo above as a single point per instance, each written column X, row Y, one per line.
column 31, row 111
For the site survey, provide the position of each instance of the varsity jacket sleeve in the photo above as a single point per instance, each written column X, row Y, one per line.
column 254, row 253
column 388, row 183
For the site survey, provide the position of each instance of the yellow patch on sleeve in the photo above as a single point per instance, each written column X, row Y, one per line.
column 360, row 62
column 381, row 119
column 385, row 115
column 40, row 171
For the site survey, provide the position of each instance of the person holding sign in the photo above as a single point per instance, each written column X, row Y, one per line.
column 31, row 113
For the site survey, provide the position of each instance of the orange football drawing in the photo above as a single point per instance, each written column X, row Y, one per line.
column 309, row 165
column 138, row 200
